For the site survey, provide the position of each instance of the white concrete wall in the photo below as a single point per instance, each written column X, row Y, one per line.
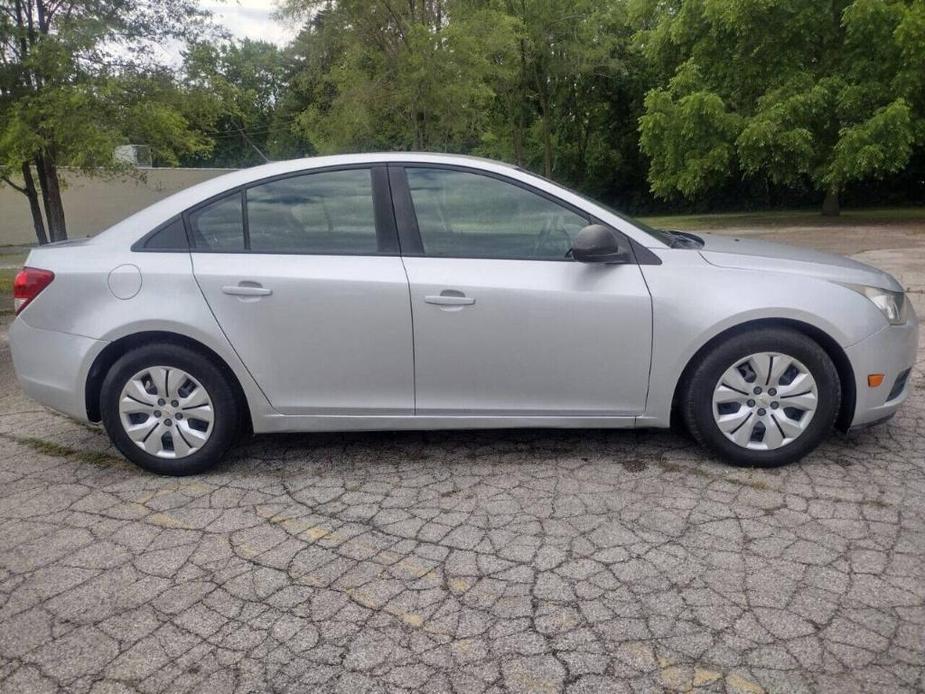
column 93, row 203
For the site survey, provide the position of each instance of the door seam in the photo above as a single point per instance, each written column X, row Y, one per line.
column 414, row 368
column 645, row 282
column 401, row 257
column 225, row 335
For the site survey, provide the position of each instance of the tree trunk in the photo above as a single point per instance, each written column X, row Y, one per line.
column 517, row 135
column 33, row 196
column 547, row 136
column 51, row 197
column 830, row 205
column 520, row 102
column 419, row 137
column 584, row 136
column 547, row 148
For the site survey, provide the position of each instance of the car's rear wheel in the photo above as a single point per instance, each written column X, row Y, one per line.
column 763, row 398
column 169, row 409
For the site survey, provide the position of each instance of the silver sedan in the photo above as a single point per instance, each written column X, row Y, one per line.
column 418, row 291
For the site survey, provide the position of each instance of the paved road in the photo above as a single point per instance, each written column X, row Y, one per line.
column 464, row 562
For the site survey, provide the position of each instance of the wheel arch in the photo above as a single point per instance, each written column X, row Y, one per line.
column 823, row 339
column 111, row 353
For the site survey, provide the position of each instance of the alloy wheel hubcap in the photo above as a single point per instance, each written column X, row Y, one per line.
column 765, row 401
column 166, row 412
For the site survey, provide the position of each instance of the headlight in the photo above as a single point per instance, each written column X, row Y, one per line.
column 892, row 305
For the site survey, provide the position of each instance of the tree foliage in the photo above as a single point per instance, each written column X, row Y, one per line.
column 406, row 75
column 684, row 100
column 555, row 85
column 78, row 77
column 792, row 91
column 235, row 89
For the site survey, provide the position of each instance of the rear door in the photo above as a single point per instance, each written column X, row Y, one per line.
column 504, row 322
column 303, row 274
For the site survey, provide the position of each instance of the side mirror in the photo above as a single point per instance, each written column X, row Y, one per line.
column 599, row 244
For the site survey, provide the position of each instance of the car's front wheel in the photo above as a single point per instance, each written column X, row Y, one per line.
column 763, row 398
column 169, row 409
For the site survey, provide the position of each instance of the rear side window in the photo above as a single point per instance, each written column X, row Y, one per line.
column 219, row 226
column 329, row 212
column 170, row 237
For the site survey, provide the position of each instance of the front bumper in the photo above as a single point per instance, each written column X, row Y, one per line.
column 891, row 351
column 52, row 366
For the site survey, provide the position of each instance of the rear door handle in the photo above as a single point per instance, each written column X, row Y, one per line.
column 449, row 300
column 247, row 289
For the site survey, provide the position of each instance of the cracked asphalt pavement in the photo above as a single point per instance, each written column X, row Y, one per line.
column 521, row 561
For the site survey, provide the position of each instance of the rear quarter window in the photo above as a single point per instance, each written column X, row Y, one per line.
column 219, row 225
column 169, row 237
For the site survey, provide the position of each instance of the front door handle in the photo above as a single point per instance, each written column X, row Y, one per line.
column 247, row 289
column 450, row 297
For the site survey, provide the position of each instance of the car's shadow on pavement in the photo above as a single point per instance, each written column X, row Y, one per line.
column 633, row 448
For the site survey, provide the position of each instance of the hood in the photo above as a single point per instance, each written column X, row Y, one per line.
column 752, row 254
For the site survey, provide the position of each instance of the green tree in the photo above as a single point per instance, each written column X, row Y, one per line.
column 580, row 81
column 239, row 86
column 400, row 75
column 824, row 92
column 77, row 78
column 570, row 58
column 549, row 84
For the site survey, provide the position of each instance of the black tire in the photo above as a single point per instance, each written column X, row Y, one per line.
column 226, row 409
column 697, row 404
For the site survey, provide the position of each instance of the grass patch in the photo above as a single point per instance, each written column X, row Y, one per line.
column 877, row 503
column 697, row 471
column 14, row 259
column 6, row 291
column 786, row 218
column 6, row 281
column 56, row 450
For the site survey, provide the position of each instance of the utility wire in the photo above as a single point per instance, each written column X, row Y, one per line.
column 256, row 148
column 236, row 131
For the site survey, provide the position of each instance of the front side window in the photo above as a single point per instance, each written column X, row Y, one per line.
column 470, row 215
column 218, row 226
column 329, row 212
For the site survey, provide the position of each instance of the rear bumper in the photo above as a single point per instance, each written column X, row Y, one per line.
column 891, row 351
column 52, row 366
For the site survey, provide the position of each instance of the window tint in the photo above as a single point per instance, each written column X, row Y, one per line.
column 469, row 215
column 330, row 212
column 170, row 237
column 219, row 226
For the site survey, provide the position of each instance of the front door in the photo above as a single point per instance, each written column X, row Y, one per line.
column 504, row 322
column 303, row 275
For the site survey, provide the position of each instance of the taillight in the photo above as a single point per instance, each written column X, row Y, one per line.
column 28, row 284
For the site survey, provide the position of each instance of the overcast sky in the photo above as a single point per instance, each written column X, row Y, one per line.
column 250, row 19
